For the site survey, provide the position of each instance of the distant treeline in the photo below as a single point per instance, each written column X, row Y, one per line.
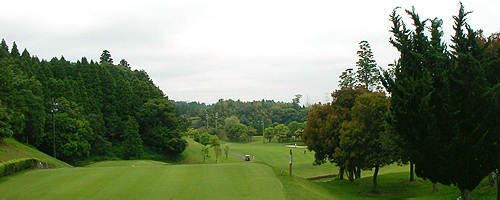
column 251, row 114
column 103, row 109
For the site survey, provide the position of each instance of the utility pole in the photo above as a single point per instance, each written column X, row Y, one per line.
column 290, row 160
column 263, row 139
column 216, row 116
column 54, row 110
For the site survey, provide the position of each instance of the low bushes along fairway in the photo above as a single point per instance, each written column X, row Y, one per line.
column 146, row 180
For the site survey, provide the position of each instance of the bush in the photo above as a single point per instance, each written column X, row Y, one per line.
column 17, row 165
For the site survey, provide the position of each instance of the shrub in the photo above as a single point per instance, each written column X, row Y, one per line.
column 17, row 165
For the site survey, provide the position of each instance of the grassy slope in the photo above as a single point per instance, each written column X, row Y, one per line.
column 146, row 180
column 11, row 149
column 192, row 154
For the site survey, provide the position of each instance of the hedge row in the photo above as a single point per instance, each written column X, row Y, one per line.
column 17, row 165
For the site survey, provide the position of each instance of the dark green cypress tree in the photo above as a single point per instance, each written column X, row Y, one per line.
column 14, row 52
column 440, row 103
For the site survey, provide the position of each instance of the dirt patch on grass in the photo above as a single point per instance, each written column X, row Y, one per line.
column 378, row 194
column 322, row 177
column 413, row 182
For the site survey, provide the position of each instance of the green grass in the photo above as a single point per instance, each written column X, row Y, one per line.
column 11, row 149
column 396, row 186
column 146, row 180
column 393, row 179
column 192, row 155
column 231, row 178
column 276, row 155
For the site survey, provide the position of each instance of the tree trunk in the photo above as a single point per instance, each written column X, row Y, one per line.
column 375, row 173
column 351, row 174
column 358, row 172
column 498, row 192
column 465, row 194
column 434, row 187
column 412, row 173
column 341, row 173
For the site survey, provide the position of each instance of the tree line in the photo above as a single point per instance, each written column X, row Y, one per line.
column 240, row 121
column 440, row 112
column 94, row 109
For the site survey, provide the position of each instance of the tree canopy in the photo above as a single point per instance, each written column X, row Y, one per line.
column 105, row 110
column 443, row 102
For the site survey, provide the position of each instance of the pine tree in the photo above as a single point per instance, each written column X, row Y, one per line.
column 14, row 52
column 106, row 57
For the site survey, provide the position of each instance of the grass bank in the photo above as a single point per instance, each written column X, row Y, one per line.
column 11, row 149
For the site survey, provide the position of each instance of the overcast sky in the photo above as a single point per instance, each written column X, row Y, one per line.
column 207, row 50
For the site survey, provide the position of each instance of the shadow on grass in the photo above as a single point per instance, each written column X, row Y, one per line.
column 397, row 186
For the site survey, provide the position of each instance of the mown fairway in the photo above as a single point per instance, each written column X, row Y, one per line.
column 230, row 178
column 276, row 154
column 145, row 180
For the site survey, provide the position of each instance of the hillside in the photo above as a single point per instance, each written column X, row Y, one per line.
column 192, row 154
column 93, row 109
column 11, row 149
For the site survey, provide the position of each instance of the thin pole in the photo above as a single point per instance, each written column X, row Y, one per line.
column 54, row 127
column 263, row 139
column 290, row 162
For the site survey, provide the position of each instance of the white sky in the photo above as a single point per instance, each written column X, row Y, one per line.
column 207, row 50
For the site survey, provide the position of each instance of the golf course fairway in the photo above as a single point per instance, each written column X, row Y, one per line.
column 146, row 180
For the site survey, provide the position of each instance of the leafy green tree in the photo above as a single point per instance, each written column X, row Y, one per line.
column 236, row 133
column 5, row 127
column 298, row 134
column 351, row 148
column 226, row 150
column 218, row 152
column 294, row 126
column 132, row 144
column 205, row 153
column 124, row 63
column 204, row 138
column 281, row 132
column 269, row 133
column 105, row 57
column 296, row 101
column 449, row 143
column 320, row 134
column 230, row 122
column 159, row 126
column 72, row 133
column 347, row 79
column 192, row 132
column 367, row 73
column 370, row 110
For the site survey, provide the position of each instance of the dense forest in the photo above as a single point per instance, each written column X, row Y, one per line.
column 94, row 109
column 252, row 117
